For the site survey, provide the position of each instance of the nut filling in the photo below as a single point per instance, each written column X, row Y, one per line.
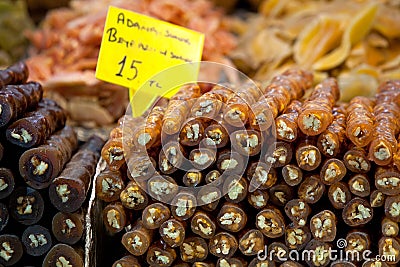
column 25, row 204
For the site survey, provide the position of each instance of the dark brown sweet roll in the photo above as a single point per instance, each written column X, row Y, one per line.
column 223, row 245
column 308, row 156
column 203, row 225
column 208, row 197
column 261, row 174
column 178, row 107
column 262, row 262
column 286, row 124
column 162, row 188
column 230, row 162
column 4, row 216
column 375, row 263
column 392, row 208
column 333, row 170
column 359, row 185
column 15, row 100
column 258, row 198
column 36, row 126
column 216, row 134
column 39, row 166
column 127, row 261
column 172, row 232
column 297, row 211
column 235, row 188
column 280, row 194
column 357, row 212
column 236, row 261
column 296, row 264
column 270, row 222
column 283, row 88
column 192, row 178
column 192, row 132
column 114, row 218
column 339, row 195
column 11, row 250
column 17, row 73
column 113, row 153
column 323, row 226
column 202, row 158
column 316, row 113
column 281, row 155
column 389, row 248
column 311, row 189
column 377, row 199
column 201, row 264
column 63, row 255
column 183, row 206
column 148, row 134
column 7, row 182
column 154, row 215
column 194, row 249
column 251, row 242
column 322, row 256
column 141, row 166
column 68, row 227
column 109, row 185
column 292, row 174
column 297, row 237
column 133, row 196
column 356, row 160
column 389, row 227
column 137, row 239
column 231, row 217
column 213, row 176
column 343, row 263
column 37, row 240
column 160, row 255
column 171, row 157
column 387, row 180
column 26, row 205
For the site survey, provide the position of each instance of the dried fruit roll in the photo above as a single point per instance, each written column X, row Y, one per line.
column 203, row 225
column 208, row 197
column 297, row 211
column 113, row 153
column 231, row 217
column 178, row 107
column 201, row 264
column 389, row 248
column 202, row 158
column 308, row 157
column 4, row 216
column 237, row 109
column 360, row 120
column 127, row 261
column 323, row 226
column 192, row 132
column 26, row 205
column 387, row 180
column 7, row 182
column 133, row 196
column 171, row 157
column 297, row 237
column 192, row 178
column 148, row 134
column 286, row 124
column 311, row 189
column 295, row 264
column 114, row 217
column 141, row 166
column 183, row 206
column 258, row 198
column 11, row 250
column 377, row 199
column 39, row 166
column 392, row 208
column 389, row 228
column 17, row 73
column 235, row 188
column 172, row 232
column 292, row 174
column 261, row 262
column 359, row 185
column 68, row 227
column 15, row 100
column 283, row 88
column 356, row 160
column 278, row 251
column 69, row 190
column 357, row 212
column 386, row 112
column 262, row 175
column 210, row 104
column 333, row 170
column 375, row 263
column 109, row 185
column 137, row 239
column 343, row 263
column 154, row 215
column 316, row 113
column 237, row 262
column 213, row 176
column 160, row 255
column 194, row 249
column 280, row 194
column 339, row 195
column 162, row 188
column 251, row 242
column 36, row 240
column 281, row 155
column 36, row 126
column 332, row 139
column 229, row 161
column 322, row 253
column 63, row 255
column 223, row 245
column 270, row 222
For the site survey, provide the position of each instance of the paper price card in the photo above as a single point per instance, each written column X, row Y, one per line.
column 136, row 47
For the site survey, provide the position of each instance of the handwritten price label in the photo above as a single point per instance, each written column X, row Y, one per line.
column 135, row 47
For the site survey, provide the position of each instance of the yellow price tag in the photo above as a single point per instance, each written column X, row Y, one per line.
column 136, row 47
